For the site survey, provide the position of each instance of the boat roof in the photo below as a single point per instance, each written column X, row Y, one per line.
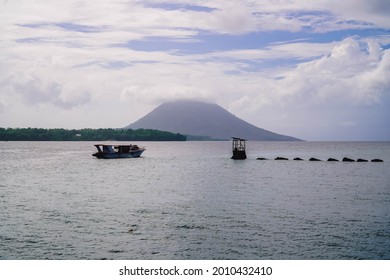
column 236, row 138
column 116, row 145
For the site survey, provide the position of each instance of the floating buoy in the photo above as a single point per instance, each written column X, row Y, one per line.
column 281, row 158
column 262, row 158
column 345, row 159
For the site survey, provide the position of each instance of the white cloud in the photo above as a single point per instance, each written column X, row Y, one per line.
column 34, row 90
column 233, row 18
column 120, row 21
column 2, row 105
column 375, row 12
column 347, row 73
column 315, row 95
column 284, row 50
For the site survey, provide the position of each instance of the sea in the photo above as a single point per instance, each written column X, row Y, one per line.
column 191, row 201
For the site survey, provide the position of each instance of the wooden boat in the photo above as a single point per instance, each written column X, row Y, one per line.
column 118, row 151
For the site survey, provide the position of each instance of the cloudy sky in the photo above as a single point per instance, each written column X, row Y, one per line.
column 313, row 69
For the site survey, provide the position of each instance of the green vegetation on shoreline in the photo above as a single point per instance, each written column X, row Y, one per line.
column 87, row 134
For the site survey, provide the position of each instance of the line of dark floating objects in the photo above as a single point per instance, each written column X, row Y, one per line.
column 345, row 159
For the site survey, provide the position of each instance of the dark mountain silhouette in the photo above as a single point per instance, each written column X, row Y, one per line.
column 205, row 119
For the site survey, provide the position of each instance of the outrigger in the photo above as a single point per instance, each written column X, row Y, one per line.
column 118, row 151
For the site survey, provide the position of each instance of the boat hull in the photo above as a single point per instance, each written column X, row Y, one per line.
column 132, row 154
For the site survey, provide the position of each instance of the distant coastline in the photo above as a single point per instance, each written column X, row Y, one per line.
column 87, row 134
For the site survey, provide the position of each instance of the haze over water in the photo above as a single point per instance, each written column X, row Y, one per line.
column 189, row 200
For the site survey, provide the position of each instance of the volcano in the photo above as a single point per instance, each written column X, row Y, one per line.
column 204, row 119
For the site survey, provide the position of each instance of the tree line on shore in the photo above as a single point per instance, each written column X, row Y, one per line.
column 87, row 134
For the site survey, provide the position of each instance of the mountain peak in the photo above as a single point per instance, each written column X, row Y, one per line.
column 203, row 119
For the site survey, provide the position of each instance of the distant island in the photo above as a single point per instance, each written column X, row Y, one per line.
column 179, row 120
column 87, row 134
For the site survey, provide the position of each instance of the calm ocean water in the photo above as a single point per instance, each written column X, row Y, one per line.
column 189, row 200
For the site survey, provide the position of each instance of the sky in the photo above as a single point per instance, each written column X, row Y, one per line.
column 318, row 70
